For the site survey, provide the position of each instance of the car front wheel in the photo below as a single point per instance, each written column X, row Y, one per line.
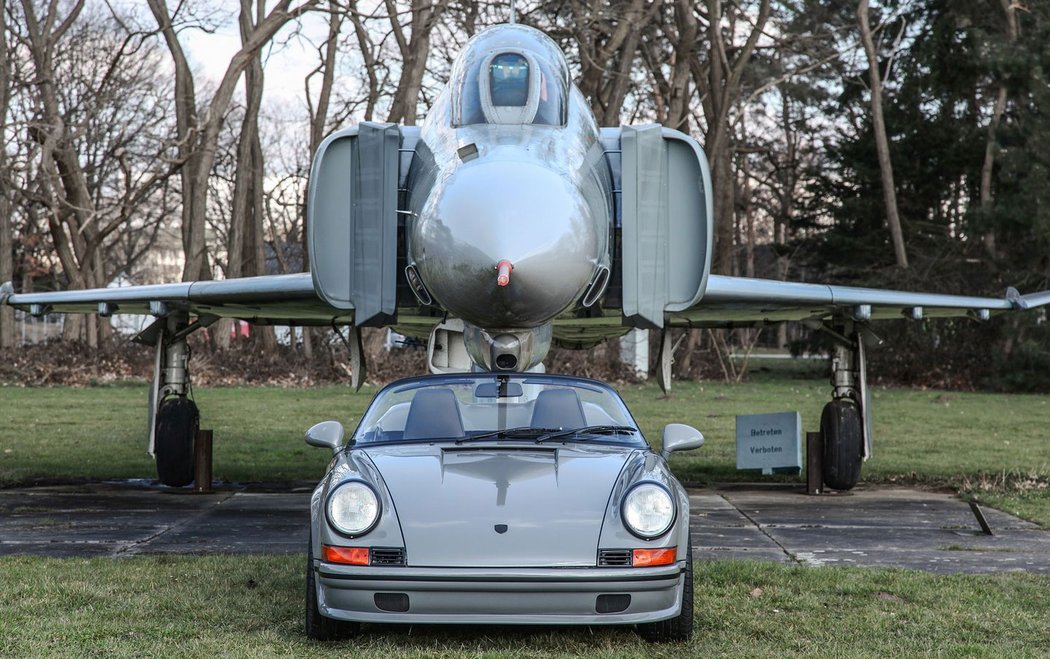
column 318, row 626
column 680, row 627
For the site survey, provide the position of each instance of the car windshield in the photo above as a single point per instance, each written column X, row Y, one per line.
column 505, row 407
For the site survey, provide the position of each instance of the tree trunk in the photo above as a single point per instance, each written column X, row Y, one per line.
column 72, row 215
column 882, row 144
column 719, row 86
column 319, row 116
column 367, row 48
column 203, row 138
column 607, row 49
column 7, row 269
column 684, row 53
column 987, row 167
column 414, row 51
column 246, row 249
column 186, row 126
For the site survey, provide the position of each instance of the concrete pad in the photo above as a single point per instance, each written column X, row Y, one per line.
column 120, row 520
column 871, row 526
column 887, row 527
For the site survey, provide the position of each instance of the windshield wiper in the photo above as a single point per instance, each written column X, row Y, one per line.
column 523, row 431
column 587, row 430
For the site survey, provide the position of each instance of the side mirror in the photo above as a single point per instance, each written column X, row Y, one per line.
column 327, row 434
column 680, row 437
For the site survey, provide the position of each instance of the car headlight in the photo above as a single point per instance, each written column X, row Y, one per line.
column 353, row 508
column 648, row 510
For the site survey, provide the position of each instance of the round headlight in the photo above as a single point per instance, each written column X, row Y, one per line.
column 648, row 510
column 353, row 508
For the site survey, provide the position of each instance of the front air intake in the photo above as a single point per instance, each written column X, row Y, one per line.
column 614, row 558
column 612, row 603
column 393, row 602
column 597, row 287
column 388, row 556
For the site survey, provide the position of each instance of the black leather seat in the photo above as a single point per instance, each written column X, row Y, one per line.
column 434, row 413
column 558, row 408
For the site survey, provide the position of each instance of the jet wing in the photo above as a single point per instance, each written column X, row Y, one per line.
column 743, row 301
column 275, row 299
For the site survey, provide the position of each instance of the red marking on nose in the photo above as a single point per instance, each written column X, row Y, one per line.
column 504, row 267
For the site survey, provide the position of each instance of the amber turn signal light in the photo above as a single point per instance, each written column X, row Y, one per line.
column 345, row 555
column 653, row 557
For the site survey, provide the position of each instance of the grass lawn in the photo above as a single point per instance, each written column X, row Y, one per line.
column 995, row 447
column 252, row 606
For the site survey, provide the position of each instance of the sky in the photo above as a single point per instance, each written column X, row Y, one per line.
column 286, row 61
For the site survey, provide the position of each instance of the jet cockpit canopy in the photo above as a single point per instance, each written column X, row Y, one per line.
column 510, row 74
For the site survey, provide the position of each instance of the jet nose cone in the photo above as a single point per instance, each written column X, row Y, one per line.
column 516, row 213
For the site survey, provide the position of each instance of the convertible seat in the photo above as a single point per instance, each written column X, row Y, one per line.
column 433, row 413
column 558, row 408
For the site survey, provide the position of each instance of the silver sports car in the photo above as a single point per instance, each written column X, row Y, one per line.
column 499, row 498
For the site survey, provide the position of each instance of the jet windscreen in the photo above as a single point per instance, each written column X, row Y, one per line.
column 509, row 80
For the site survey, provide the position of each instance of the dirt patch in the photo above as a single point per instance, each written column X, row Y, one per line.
column 60, row 363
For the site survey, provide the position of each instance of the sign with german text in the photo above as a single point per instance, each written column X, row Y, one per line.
column 769, row 442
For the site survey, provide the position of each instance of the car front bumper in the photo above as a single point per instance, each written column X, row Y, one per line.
column 527, row 596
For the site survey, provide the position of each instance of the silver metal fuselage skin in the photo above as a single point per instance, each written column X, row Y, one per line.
column 538, row 196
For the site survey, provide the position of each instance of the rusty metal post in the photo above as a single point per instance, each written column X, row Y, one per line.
column 814, row 463
column 981, row 519
column 202, row 462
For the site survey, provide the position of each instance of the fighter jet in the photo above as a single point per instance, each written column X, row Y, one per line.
column 507, row 221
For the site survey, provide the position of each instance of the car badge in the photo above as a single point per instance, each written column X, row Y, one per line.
column 500, row 528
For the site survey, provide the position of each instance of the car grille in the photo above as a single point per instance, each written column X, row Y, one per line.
column 614, row 557
column 388, row 556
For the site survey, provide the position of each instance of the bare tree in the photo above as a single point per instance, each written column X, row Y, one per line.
column 246, row 240
column 7, row 270
column 606, row 38
column 327, row 68
column 1012, row 29
column 198, row 135
column 99, row 158
column 318, row 110
column 882, row 143
column 719, row 86
column 414, row 49
column 328, row 52
column 678, row 92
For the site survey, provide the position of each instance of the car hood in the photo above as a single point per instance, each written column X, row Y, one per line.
column 483, row 506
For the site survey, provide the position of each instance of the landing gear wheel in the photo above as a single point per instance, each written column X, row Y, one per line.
column 177, row 423
column 318, row 627
column 680, row 627
column 843, row 442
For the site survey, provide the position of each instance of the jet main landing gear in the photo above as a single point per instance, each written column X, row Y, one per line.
column 844, row 421
column 174, row 417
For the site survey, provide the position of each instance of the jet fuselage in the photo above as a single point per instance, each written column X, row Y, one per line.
column 511, row 201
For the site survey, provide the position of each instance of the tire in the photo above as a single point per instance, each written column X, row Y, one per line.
column 843, row 443
column 177, row 423
column 319, row 627
column 679, row 628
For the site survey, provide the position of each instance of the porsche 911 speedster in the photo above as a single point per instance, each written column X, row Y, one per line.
column 489, row 498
